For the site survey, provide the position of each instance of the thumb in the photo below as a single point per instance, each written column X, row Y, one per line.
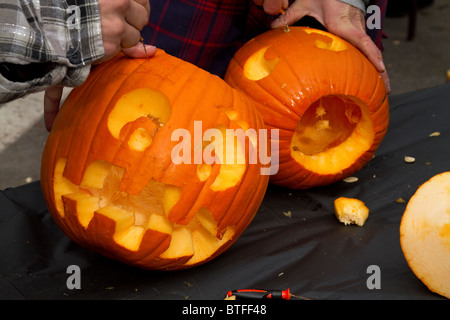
column 140, row 51
column 52, row 100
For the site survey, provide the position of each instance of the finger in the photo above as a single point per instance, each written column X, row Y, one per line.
column 130, row 37
column 52, row 100
column 364, row 43
column 274, row 6
column 285, row 4
column 292, row 14
column 145, row 4
column 386, row 80
column 139, row 51
column 137, row 15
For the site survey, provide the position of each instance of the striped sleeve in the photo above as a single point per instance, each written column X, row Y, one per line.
column 64, row 35
column 360, row 4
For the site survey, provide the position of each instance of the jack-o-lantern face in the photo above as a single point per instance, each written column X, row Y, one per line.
column 324, row 96
column 123, row 169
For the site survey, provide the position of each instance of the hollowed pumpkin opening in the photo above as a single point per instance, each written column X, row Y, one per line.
column 332, row 134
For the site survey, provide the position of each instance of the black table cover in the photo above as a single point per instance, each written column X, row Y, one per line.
column 295, row 241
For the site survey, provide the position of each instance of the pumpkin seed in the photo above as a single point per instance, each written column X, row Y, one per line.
column 350, row 179
column 409, row 159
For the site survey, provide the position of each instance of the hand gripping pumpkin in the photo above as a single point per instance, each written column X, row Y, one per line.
column 134, row 166
column 325, row 97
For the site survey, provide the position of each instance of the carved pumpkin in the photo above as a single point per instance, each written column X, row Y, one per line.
column 325, row 97
column 123, row 169
column 425, row 233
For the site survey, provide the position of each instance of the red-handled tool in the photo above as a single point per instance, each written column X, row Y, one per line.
column 262, row 294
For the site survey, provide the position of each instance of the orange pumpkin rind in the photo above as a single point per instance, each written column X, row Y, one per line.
column 323, row 95
column 108, row 172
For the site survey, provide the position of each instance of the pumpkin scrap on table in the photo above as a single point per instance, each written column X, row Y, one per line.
column 324, row 96
column 351, row 211
column 425, row 233
column 108, row 172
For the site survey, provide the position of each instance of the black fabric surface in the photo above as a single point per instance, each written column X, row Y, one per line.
column 294, row 242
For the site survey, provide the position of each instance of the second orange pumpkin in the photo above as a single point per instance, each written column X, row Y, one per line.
column 323, row 95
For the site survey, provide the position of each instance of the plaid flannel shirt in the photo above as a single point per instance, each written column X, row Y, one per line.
column 208, row 32
column 53, row 41
column 204, row 32
column 53, row 47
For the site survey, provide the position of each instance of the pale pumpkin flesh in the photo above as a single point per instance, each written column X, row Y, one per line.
column 425, row 233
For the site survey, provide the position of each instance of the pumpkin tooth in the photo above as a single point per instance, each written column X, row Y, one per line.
column 206, row 220
column 205, row 244
column 121, row 218
column 62, row 186
column 170, row 198
column 82, row 205
column 95, row 174
column 130, row 238
column 180, row 245
column 160, row 223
